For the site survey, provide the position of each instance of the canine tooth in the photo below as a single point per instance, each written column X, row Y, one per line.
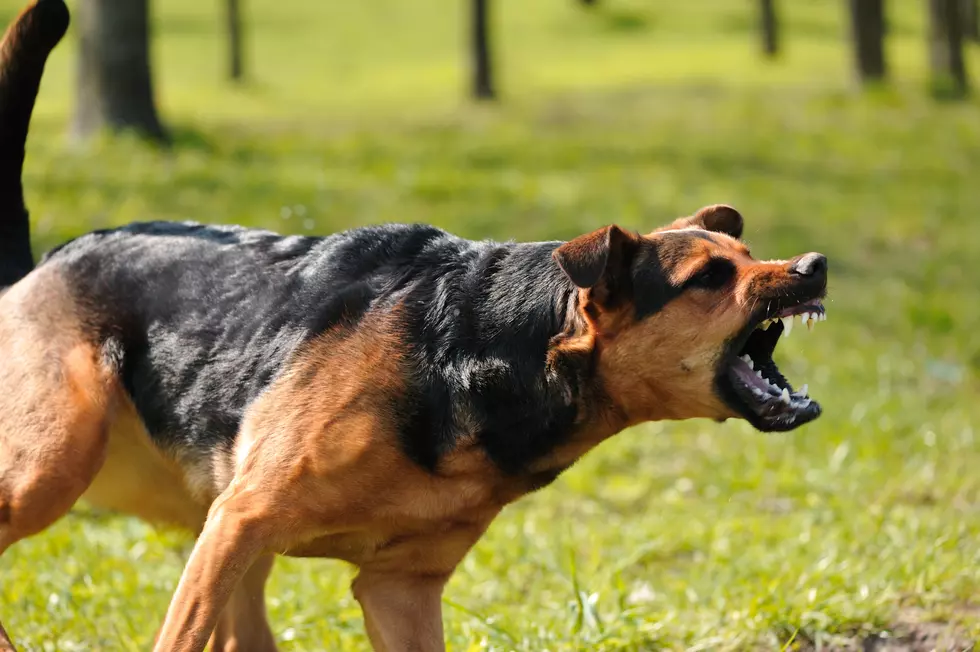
column 787, row 325
column 784, row 397
column 758, row 374
column 813, row 320
column 804, row 390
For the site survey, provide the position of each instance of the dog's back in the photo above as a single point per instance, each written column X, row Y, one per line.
column 198, row 320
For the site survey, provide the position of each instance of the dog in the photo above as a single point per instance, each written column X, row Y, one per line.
column 376, row 396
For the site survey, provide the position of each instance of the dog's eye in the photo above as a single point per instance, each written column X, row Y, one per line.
column 714, row 275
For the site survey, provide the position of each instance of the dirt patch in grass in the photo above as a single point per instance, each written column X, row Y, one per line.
column 920, row 637
column 913, row 632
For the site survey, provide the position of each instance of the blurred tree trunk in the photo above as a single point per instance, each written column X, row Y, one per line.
column 971, row 20
column 233, row 21
column 482, row 59
column 868, row 33
column 946, row 46
column 114, row 87
column 770, row 28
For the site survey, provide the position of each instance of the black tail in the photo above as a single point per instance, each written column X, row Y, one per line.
column 23, row 52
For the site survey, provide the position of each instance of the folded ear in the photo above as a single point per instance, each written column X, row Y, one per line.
column 596, row 259
column 719, row 218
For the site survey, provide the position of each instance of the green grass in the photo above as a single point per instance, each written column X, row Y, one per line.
column 680, row 536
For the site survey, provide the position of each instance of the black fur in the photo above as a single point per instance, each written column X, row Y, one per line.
column 205, row 317
column 202, row 318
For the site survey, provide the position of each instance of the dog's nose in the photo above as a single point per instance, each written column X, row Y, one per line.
column 811, row 264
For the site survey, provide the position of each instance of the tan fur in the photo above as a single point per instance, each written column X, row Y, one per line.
column 55, row 398
column 55, row 401
column 663, row 366
column 317, row 472
column 137, row 479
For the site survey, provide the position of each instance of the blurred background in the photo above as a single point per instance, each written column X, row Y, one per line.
column 841, row 126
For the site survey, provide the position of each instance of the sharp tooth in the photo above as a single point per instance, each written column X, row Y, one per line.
column 759, row 374
column 804, row 390
column 823, row 316
column 787, row 326
column 813, row 320
column 784, row 397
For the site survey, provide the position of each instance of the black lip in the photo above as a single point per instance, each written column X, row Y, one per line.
column 773, row 418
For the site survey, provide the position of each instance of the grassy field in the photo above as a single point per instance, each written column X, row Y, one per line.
column 677, row 536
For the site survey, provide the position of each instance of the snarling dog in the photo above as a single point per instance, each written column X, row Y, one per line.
column 376, row 396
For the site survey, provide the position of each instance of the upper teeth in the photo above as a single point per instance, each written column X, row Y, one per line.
column 807, row 318
column 787, row 325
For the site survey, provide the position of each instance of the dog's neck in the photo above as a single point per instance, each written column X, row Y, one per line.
column 531, row 300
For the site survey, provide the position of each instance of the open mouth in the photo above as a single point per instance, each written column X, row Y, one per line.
column 752, row 382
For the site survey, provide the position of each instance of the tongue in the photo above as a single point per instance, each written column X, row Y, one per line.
column 749, row 377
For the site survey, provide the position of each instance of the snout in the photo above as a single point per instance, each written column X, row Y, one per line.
column 809, row 271
column 812, row 265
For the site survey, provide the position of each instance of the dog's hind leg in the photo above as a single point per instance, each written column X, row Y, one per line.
column 55, row 402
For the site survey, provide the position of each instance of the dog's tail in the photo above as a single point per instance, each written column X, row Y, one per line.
column 23, row 52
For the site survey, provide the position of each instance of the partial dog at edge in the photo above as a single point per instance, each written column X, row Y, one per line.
column 376, row 396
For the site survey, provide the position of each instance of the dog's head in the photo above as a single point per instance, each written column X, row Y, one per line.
column 684, row 321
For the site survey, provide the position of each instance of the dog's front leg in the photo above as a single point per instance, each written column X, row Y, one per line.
column 402, row 611
column 400, row 591
column 237, row 532
column 243, row 626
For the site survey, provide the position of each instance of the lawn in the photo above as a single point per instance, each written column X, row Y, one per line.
column 690, row 535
